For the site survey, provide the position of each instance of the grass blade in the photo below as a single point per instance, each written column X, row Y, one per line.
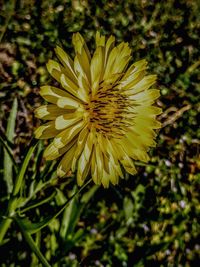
column 8, row 149
column 70, row 216
column 8, row 162
column 23, row 168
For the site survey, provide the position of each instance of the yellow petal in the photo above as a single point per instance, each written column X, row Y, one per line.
column 46, row 131
column 134, row 150
column 96, row 69
column 84, row 89
column 68, row 103
column 117, row 60
column 109, row 46
column 67, row 120
column 113, row 176
column 114, row 157
column 52, row 94
column 131, row 80
column 146, row 97
column 99, row 161
column 80, row 146
column 128, row 165
column 124, row 158
column 135, row 67
column 55, row 69
column 80, row 45
column 68, row 85
column 83, row 84
column 147, row 111
column 84, row 161
column 52, row 152
column 100, row 40
column 120, row 66
column 147, row 122
column 82, row 67
column 110, row 63
column 122, row 58
column 141, row 137
column 67, row 63
column 97, row 167
column 142, row 85
column 113, row 150
column 94, row 168
column 49, row 112
column 82, row 59
column 67, row 135
column 136, row 146
column 111, row 80
column 65, row 164
column 103, row 144
column 105, row 180
column 140, row 64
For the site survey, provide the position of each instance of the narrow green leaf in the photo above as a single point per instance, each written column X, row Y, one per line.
column 39, row 203
column 23, row 168
column 9, row 144
column 34, row 227
column 70, row 217
column 31, row 243
column 8, row 149
column 70, row 243
column 73, row 211
column 35, row 260
column 88, row 195
column 37, row 162
column 10, row 132
column 31, row 227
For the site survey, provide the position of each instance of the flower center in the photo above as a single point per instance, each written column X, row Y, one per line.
column 109, row 112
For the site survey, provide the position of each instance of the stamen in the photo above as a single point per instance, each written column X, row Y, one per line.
column 109, row 112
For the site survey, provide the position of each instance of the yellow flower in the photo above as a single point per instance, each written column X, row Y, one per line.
column 101, row 118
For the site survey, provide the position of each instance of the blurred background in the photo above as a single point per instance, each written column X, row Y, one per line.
column 150, row 219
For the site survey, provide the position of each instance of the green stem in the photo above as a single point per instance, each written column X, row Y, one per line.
column 32, row 244
column 5, row 224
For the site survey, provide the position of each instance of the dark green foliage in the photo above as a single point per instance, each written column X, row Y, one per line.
column 150, row 219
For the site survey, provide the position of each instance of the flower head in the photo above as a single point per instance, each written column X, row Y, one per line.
column 102, row 117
